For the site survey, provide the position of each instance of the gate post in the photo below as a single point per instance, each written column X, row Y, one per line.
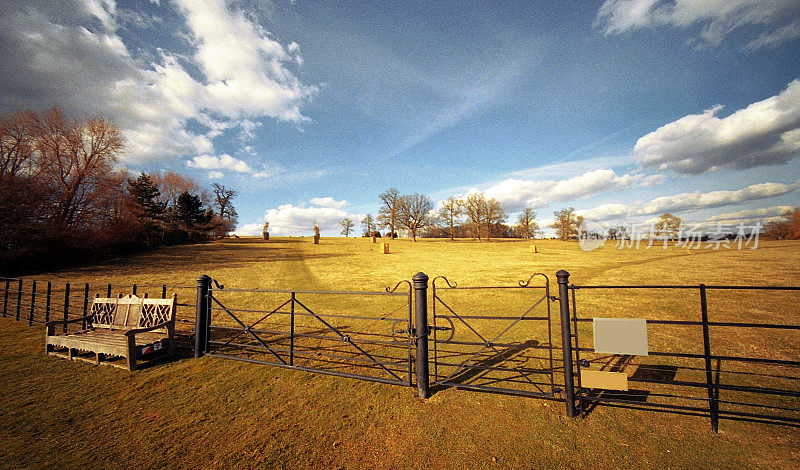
column 566, row 341
column 421, row 331
column 202, row 316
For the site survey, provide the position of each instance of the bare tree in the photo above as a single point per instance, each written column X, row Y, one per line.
column 16, row 145
column 474, row 205
column 347, row 226
column 566, row 223
column 171, row 185
column 368, row 224
column 224, row 201
column 668, row 225
column 75, row 159
column 787, row 228
column 415, row 213
column 526, row 226
column 390, row 206
column 224, row 220
column 492, row 214
column 450, row 211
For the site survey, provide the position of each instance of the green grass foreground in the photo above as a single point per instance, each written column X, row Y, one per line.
column 217, row 413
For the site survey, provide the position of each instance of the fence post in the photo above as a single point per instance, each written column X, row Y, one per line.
column 713, row 404
column 66, row 305
column 33, row 303
column 5, row 298
column 47, row 305
column 202, row 319
column 85, row 304
column 566, row 341
column 291, row 333
column 19, row 299
column 421, row 331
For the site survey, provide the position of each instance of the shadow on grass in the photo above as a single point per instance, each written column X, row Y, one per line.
column 508, row 360
column 229, row 255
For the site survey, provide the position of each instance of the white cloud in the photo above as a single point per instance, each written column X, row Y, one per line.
column 605, row 212
column 718, row 18
column 573, row 168
column 698, row 200
column 250, row 230
column 223, row 162
column 215, row 175
column 751, row 214
column 289, row 219
column 243, row 65
column 328, row 202
column 514, row 194
column 774, row 38
column 53, row 53
column 763, row 133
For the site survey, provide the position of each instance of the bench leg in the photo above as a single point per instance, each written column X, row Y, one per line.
column 131, row 357
column 98, row 357
column 70, row 353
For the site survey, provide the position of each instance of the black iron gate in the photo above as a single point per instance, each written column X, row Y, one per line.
column 494, row 338
column 501, row 339
column 312, row 331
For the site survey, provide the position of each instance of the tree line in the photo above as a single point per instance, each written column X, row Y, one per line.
column 64, row 197
column 474, row 215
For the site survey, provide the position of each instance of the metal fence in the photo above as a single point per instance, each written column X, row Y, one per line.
column 702, row 358
column 37, row 301
column 494, row 338
column 354, row 334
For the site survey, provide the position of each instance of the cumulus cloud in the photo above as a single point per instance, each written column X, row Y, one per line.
column 514, row 194
column 605, row 212
column 55, row 53
column 718, row 18
column 294, row 220
column 251, row 230
column 694, row 201
column 223, row 162
column 328, row 202
column 244, row 67
column 763, row 133
column 698, row 200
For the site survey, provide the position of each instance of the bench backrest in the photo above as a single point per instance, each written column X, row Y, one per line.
column 132, row 312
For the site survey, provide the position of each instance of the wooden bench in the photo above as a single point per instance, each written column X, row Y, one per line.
column 130, row 327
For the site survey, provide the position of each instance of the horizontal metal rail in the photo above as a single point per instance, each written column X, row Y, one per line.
column 310, row 369
column 503, row 391
column 686, row 286
column 218, row 292
column 489, row 317
column 711, row 323
column 300, row 314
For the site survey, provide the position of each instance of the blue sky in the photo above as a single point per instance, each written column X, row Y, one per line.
column 623, row 109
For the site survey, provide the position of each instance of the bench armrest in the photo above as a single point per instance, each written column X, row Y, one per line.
column 170, row 325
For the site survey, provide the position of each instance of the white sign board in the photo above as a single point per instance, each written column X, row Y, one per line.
column 620, row 336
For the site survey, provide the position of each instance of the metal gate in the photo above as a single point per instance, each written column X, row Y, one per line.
column 328, row 332
column 494, row 338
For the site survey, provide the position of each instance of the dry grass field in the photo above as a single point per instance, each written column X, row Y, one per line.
column 213, row 412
